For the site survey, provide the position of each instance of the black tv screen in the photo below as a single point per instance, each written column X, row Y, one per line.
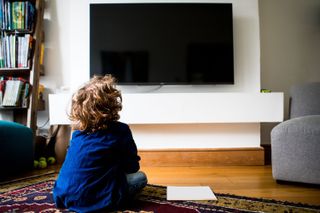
column 162, row 43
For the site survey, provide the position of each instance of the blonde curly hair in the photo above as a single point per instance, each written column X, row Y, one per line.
column 96, row 104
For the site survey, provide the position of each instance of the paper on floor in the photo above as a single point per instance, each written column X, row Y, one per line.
column 190, row 193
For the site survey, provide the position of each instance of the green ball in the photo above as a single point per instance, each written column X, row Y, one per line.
column 42, row 164
column 51, row 160
column 35, row 164
column 42, row 159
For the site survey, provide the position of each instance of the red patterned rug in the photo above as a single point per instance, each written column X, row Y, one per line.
column 36, row 196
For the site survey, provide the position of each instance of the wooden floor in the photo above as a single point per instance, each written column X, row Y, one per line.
column 253, row 181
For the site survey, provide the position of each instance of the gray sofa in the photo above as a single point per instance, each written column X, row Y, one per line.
column 295, row 143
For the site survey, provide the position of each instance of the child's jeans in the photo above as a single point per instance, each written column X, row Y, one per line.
column 136, row 181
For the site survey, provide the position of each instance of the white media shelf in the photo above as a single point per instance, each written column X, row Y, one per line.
column 186, row 108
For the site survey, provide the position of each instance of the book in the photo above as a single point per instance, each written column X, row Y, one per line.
column 1, row 14
column 30, row 15
column 26, row 49
column 2, row 88
column 9, row 19
column 8, row 94
column 25, row 95
column 2, row 64
column 18, row 84
column 17, row 15
column 7, row 51
column 190, row 193
column 22, row 17
column 12, row 95
column 13, row 50
column 5, row 14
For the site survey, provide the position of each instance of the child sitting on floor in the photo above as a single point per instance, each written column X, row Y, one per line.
column 101, row 169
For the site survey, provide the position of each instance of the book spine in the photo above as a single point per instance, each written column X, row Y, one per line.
column 25, row 95
column 14, row 14
column 29, row 48
column 18, row 95
column 2, row 88
column 7, row 51
column 9, row 16
column 5, row 14
column 1, row 14
column 23, row 14
column 31, row 16
column 13, row 50
column 26, row 13
column 1, row 52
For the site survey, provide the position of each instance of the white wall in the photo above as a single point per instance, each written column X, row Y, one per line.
column 290, row 47
column 57, row 27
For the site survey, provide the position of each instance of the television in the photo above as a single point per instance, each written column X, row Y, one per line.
column 162, row 43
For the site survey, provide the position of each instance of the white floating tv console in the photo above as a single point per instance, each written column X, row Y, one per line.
column 186, row 108
column 190, row 120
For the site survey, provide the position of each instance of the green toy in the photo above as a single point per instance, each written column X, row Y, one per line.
column 42, row 159
column 265, row 91
column 42, row 164
column 35, row 164
column 51, row 160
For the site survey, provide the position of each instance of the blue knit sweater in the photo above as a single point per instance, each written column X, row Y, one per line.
column 92, row 177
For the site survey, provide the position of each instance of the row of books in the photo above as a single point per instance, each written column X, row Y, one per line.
column 15, row 50
column 14, row 92
column 17, row 15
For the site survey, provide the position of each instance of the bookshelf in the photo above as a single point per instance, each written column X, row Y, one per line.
column 21, row 41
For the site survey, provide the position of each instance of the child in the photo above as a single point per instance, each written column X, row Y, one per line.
column 101, row 169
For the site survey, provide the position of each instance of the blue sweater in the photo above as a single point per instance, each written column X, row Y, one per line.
column 92, row 176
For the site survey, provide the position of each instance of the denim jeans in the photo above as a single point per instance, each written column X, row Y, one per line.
column 136, row 182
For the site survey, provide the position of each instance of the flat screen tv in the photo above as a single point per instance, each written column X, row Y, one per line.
column 162, row 43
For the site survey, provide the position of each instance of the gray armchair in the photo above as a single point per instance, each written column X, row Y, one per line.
column 295, row 143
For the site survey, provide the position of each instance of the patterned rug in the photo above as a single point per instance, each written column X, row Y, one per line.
column 34, row 195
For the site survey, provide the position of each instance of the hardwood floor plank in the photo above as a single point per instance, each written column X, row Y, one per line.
column 253, row 181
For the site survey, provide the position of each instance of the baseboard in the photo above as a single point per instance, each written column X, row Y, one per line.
column 203, row 157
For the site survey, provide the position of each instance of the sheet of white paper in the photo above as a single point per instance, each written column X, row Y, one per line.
column 190, row 193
